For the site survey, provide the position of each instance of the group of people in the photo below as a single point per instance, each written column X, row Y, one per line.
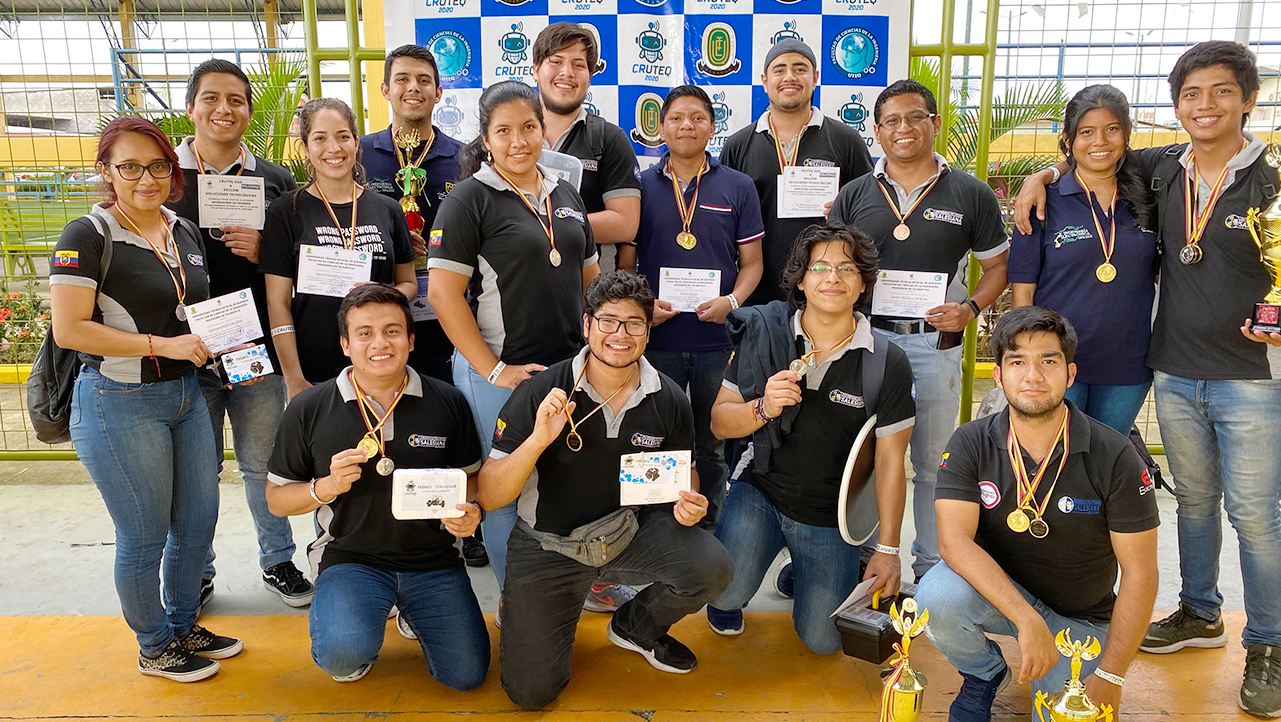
column 516, row 329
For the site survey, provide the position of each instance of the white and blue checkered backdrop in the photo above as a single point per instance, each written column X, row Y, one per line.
column 651, row 46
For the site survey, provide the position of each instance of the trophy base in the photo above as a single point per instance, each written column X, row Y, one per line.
column 1267, row 318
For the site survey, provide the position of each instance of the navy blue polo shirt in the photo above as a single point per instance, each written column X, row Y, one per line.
column 1113, row 320
column 727, row 215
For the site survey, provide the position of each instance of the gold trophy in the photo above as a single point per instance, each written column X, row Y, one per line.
column 1265, row 228
column 1072, row 705
column 904, row 686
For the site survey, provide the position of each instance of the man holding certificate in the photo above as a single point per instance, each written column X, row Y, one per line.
column 229, row 189
column 926, row 219
column 386, row 457
column 574, row 443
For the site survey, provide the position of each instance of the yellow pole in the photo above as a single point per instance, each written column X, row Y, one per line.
column 371, row 13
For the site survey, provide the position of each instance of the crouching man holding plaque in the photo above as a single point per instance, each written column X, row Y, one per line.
column 387, row 458
column 597, row 448
column 1037, row 506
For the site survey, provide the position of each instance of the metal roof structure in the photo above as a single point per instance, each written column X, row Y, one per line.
column 162, row 9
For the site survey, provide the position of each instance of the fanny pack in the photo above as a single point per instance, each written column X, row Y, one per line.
column 594, row 544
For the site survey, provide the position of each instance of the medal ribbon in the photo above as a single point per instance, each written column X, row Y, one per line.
column 887, row 691
column 783, row 159
column 376, row 430
column 404, row 161
column 902, row 217
column 348, row 243
column 547, row 227
column 1194, row 223
column 573, row 426
column 687, row 216
column 1108, row 241
column 1027, row 489
column 200, row 162
column 808, row 358
column 179, row 279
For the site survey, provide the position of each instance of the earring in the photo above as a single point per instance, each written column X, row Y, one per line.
column 489, row 157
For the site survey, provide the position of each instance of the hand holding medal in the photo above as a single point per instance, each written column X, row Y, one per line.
column 573, row 440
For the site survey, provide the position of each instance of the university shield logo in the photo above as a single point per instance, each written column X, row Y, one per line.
column 651, row 44
column 515, row 45
column 718, row 51
column 648, row 108
column 855, row 53
column 453, row 54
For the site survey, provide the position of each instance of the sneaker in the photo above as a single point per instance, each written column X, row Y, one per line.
column 973, row 701
column 1261, row 690
column 728, row 622
column 498, row 615
column 178, row 664
column 358, row 674
column 402, row 626
column 1184, row 629
column 285, row 579
column 474, row 554
column 607, row 598
column 205, row 643
column 665, row 653
column 206, row 591
column 785, row 583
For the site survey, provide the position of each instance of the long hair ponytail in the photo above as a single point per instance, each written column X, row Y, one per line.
column 499, row 94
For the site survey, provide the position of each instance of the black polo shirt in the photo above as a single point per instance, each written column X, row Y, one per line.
column 378, row 156
column 614, row 174
column 804, row 480
column 961, row 214
column 431, row 428
column 300, row 219
column 1202, row 307
column 227, row 271
column 1105, row 488
column 528, row 310
column 823, row 142
column 568, row 489
column 138, row 295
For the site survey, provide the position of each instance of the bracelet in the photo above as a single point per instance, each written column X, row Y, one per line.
column 974, row 306
column 760, row 411
column 1116, row 679
column 313, row 494
column 886, row 549
column 281, row 330
column 733, row 302
column 1056, row 173
column 496, row 372
column 150, row 351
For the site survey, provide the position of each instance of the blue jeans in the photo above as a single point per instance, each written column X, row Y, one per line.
column 826, row 568
column 149, row 449
column 1220, row 438
column 937, row 389
column 961, row 619
column 486, row 401
column 1116, row 406
column 702, row 373
column 349, row 617
column 255, row 411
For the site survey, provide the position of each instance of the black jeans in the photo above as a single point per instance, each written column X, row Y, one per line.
column 544, row 594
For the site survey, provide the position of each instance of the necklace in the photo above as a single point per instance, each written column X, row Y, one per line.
column 374, row 441
column 1105, row 272
column 573, row 440
column 350, row 241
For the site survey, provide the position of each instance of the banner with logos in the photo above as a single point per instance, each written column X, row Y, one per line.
column 651, row 46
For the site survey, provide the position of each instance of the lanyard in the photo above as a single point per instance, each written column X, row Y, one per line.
column 1105, row 272
column 1195, row 222
column 573, row 440
column 375, row 431
column 808, row 358
column 1027, row 488
column 200, row 162
column 783, row 159
column 901, row 231
column 687, row 212
column 547, row 227
column 179, row 279
column 348, row 243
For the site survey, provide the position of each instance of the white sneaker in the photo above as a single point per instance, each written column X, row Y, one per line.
column 402, row 626
column 358, row 674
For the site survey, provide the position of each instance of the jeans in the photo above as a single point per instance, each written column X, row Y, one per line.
column 702, row 373
column 937, row 390
column 255, row 411
column 545, row 591
column 149, row 449
column 1116, row 406
column 825, row 567
column 1220, row 438
column 349, row 617
column 961, row 619
column 486, row 401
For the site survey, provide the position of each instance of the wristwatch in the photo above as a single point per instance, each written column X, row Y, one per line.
column 974, row 306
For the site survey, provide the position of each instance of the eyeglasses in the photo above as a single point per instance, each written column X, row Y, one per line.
column 893, row 121
column 133, row 171
column 609, row 325
column 845, row 270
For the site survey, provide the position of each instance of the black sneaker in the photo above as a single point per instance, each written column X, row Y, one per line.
column 785, row 582
column 205, row 643
column 973, row 701
column 285, row 579
column 206, row 591
column 1261, row 690
column 1184, row 629
column 178, row 664
column 665, row 653
column 474, row 554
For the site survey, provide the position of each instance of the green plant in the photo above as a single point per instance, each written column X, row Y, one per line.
column 23, row 322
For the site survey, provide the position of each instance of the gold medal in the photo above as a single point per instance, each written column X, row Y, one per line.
column 902, row 232
column 554, row 257
column 1190, row 254
column 1017, row 521
column 1106, row 272
column 799, row 367
column 686, row 240
column 368, row 446
column 574, row 441
column 1038, row 528
column 385, row 466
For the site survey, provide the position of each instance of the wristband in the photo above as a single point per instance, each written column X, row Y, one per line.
column 312, row 488
column 281, row 330
column 1056, row 173
column 760, row 411
column 733, row 302
column 1116, row 679
column 974, row 306
column 496, row 372
column 886, row 549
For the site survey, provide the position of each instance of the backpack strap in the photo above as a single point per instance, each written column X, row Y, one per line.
column 874, row 371
column 596, row 134
column 104, row 230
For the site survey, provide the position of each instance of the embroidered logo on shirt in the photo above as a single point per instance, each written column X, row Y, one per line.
column 1146, row 483
column 419, row 441
column 195, row 259
column 989, row 494
column 433, row 238
column 499, row 428
column 1069, row 505
column 646, row 441
column 66, row 259
column 846, row 399
column 818, row 163
column 590, row 164
column 1236, row 223
column 1071, row 234
column 935, row 214
column 567, row 212
column 943, row 463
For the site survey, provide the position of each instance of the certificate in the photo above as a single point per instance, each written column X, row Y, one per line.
column 245, row 364
column 428, row 493
column 229, row 200
column 804, row 190
column 653, row 477
column 332, row 270
column 688, row 288
column 225, row 321
column 419, row 308
column 908, row 294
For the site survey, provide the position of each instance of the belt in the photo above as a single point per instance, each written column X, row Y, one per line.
column 899, row 327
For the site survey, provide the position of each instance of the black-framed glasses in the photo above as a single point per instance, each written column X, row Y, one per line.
column 133, row 171
column 608, row 325
column 844, row 270
column 893, row 121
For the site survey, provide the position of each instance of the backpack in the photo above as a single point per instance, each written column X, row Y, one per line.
column 54, row 371
column 596, row 134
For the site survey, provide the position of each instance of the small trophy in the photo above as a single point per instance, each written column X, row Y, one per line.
column 904, row 686
column 410, row 178
column 1072, row 705
column 1265, row 228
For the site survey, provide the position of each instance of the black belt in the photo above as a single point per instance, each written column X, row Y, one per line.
column 899, row 327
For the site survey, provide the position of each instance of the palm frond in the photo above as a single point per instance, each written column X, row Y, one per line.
column 277, row 86
column 1022, row 103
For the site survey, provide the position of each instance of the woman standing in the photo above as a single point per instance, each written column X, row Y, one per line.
column 515, row 241
column 1094, row 258
column 138, row 420
column 331, row 228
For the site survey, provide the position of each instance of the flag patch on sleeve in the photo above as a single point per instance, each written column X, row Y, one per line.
column 66, row 259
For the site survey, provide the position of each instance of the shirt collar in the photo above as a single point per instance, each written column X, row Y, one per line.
column 1078, row 430
column 662, row 164
column 879, row 170
column 187, row 158
column 1249, row 153
column 862, row 336
column 384, row 140
column 348, row 390
column 650, row 381
column 119, row 232
column 490, row 177
column 1069, row 185
column 560, row 141
column 816, row 120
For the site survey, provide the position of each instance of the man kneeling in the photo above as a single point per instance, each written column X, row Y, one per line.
column 557, row 446
column 1031, row 539
column 336, row 449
